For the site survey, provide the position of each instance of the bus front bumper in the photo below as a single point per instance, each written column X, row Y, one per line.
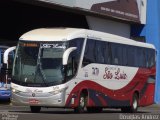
column 57, row 100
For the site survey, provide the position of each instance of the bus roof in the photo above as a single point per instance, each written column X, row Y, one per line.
column 63, row 34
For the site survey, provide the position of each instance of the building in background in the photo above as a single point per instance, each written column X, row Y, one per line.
column 112, row 16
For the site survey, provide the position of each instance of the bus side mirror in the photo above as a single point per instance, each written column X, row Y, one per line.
column 67, row 53
column 6, row 53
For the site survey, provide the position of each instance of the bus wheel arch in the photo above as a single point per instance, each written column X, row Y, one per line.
column 137, row 94
column 82, row 101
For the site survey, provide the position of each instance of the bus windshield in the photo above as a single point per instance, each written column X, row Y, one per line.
column 39, row 64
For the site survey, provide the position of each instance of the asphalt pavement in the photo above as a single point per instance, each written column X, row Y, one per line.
column 10, row 112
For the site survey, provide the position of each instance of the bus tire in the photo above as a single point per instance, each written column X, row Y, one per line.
column 35, row 109
column 134, row 106
column 94, row 109
column 82, row 104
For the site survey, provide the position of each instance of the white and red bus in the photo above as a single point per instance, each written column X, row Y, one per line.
column 82, row 69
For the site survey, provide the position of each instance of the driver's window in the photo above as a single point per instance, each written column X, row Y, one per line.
column 74, row 57
column 71, row 66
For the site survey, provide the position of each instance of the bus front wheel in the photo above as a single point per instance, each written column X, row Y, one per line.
column 35, row 109
column 82, row 104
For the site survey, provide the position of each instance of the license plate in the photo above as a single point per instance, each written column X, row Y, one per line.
column 33, row 101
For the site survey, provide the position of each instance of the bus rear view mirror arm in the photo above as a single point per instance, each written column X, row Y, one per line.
column 6, row 53
column 67, row 53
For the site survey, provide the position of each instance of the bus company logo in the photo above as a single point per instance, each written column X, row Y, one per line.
column 33, row 91
column 114, row 73
column 53, row 46
column 28, row 90
column 37, row 91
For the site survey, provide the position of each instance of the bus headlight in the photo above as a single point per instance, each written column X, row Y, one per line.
column 57, row 91
column 15, row 91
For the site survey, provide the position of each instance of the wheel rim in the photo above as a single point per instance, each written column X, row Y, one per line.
column 135, row 103
column 82, row 102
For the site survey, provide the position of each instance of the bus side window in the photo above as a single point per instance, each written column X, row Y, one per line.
column 116, row 54
column 100, row 48
column 151, row 57
column 130, row 56
column 140, row 57
column 75, row 56
column 124, row 55
column 69, row 67
column 89, row 54
column 72, row 66
column 107, row 53
column 153, row 60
